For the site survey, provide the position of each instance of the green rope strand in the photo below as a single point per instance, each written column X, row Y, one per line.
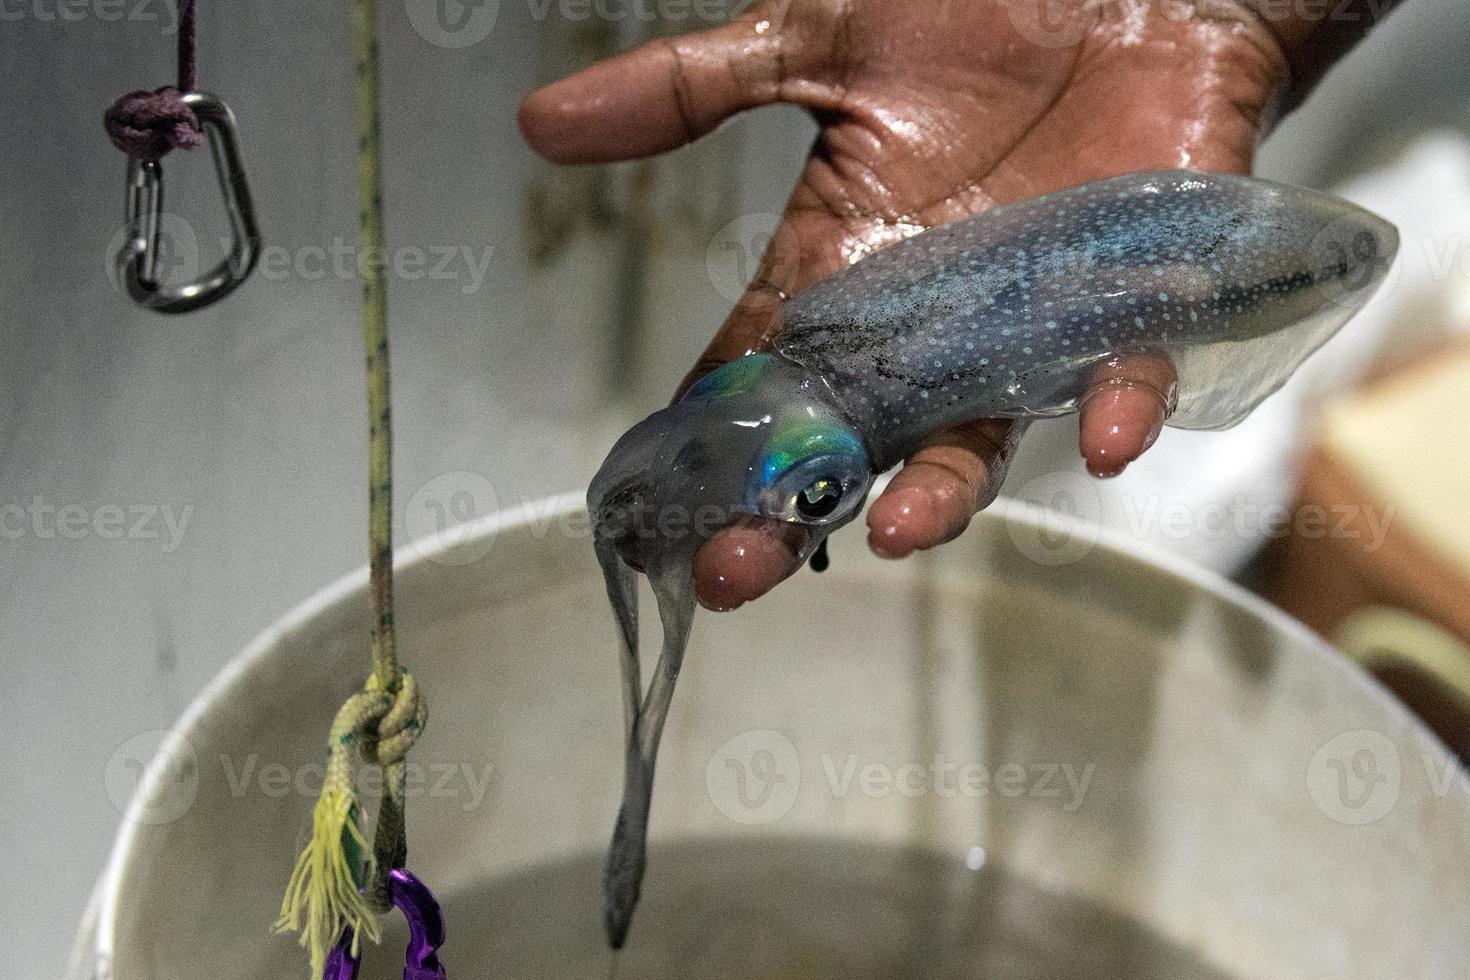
column 382, row 721
column 375, row 341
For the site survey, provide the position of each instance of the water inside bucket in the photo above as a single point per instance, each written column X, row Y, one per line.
column 795, row 910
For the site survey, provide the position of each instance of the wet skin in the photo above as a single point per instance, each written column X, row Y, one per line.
column 929, row 113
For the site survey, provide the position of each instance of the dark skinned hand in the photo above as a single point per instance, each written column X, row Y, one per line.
column 930, row 112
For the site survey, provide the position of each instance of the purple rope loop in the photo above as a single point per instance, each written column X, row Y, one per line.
column 186, row 46
column 148, row 125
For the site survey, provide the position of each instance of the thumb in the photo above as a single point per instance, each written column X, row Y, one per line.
column 663, row 94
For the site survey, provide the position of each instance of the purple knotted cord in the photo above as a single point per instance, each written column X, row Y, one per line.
column 147, row 124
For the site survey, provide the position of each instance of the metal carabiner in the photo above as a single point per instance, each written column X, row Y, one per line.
column 137, row 260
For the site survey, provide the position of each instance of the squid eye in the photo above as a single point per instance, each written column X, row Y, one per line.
column 820, row 490
column 811, row 470
column 819, row 499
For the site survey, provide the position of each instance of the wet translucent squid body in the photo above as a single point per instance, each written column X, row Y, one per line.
column 1234, row 281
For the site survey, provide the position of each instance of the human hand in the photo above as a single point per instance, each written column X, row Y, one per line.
column 929, row 113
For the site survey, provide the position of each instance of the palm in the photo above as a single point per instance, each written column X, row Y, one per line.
column 940, row 126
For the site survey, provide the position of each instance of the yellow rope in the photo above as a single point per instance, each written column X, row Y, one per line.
column 383, row 720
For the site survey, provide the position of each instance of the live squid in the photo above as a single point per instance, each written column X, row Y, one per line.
column 1234, row 281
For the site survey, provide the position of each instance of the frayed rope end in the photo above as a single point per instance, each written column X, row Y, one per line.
column 322, row 897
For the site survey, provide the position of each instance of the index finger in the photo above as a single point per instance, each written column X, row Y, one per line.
column 746, row 561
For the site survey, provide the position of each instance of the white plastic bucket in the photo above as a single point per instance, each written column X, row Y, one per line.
column 1249, row 798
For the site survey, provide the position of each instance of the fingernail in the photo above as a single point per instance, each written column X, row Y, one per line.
column 743, row 562
column 1119, row 422
column 1104, row 470
column 886, row 538
column 713, row 606
column 884, row 541
column 717, row 593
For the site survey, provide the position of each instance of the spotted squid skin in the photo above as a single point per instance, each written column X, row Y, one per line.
column 1007, row 314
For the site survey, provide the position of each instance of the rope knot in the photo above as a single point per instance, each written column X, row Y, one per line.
column 148, row 125
column 333, row 887
column 400, row 718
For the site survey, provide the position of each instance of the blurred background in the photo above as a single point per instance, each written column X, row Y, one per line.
column 173, row 485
